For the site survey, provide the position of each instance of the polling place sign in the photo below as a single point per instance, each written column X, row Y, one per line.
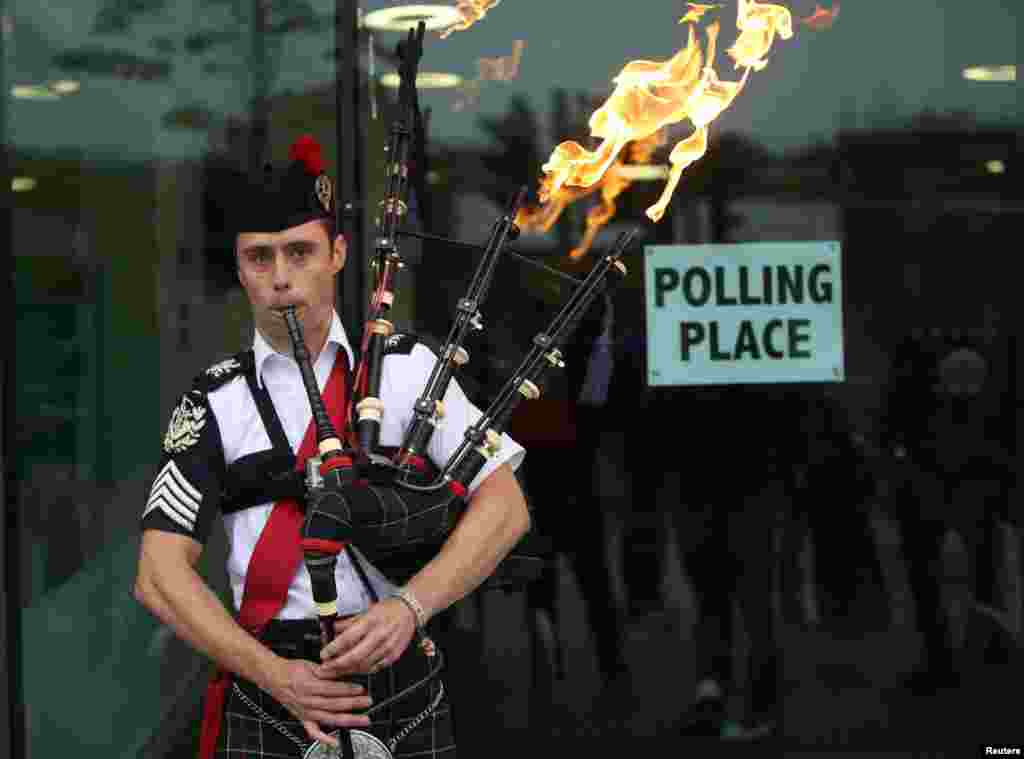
column 745, row 313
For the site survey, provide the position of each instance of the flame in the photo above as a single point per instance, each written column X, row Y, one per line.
column 613, row 184
column 502, row 68
column 822, row 18
column 649, row 96
column 472, row 11
column 758, row 24
column 696, row 11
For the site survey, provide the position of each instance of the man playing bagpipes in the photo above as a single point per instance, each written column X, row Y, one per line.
column 235, row 449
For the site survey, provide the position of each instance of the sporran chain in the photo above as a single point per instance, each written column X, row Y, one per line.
column 274, row 723
column 364, row 744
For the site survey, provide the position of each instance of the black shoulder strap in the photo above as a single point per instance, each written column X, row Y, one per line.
column 271, row 421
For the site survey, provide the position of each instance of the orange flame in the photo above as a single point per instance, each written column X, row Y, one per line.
column 649, row 96
column 758, row 24
column 696, row 11
column 612, row 184
column 822, row 18
column 502, row 68
column 472, row 11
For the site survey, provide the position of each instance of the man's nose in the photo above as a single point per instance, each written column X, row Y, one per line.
column 281, row 273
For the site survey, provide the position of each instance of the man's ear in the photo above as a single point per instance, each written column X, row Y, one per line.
column 340, row 252
column 238, row 262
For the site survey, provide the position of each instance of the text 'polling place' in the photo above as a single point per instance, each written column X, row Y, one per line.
column 744, row 313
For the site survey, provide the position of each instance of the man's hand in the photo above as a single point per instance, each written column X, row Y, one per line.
column 316, row 700
column 366, row 643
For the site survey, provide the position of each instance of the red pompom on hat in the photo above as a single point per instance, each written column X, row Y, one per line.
column 307, row 150
column 283, row 196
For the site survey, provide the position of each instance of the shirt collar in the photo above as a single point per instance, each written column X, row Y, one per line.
column 262, row 350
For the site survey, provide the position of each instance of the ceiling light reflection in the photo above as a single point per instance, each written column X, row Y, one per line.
column 426, row 80
column 48, row 91
column 65, row 87
column 991, row 73
column 33, row 92
column 401, row 18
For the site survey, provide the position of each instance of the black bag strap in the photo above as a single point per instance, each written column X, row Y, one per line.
column 271, row 421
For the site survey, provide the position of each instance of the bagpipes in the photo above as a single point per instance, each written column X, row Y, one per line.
column 390, row 506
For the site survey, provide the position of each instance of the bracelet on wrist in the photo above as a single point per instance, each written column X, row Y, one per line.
column 405, row 596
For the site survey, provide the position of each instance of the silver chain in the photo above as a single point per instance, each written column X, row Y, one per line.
column 400, row 735
column 303, row 745
column 274, row 723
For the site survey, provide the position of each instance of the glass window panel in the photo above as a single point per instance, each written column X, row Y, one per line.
column 122, row 122
column 895, row 131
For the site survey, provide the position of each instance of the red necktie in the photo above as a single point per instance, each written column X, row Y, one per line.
column 275, row 559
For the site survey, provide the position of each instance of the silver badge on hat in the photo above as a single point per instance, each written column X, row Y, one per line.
column 324, row 191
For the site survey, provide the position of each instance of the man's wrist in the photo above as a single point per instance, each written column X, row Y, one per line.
column 273, row 675
column 412, row 603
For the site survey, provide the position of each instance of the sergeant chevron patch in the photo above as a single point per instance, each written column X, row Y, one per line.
column 175, row 496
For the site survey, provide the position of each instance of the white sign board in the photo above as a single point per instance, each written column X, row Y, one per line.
column 746, row 313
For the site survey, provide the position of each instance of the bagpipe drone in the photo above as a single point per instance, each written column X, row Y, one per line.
column 394, row 506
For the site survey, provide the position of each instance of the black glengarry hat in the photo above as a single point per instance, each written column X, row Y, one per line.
column 283, row 197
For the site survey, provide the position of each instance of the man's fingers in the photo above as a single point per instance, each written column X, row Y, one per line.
column 357, row 660
column 313, row 731
column 343, row 623
column 361, row 654
column 353, row 633
column 340, row 720
column 338, row 705
column 332, row 688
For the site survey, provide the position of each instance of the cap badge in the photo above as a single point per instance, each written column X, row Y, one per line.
column 324, row 191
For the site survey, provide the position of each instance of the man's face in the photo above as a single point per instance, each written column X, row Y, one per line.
column 295, row 267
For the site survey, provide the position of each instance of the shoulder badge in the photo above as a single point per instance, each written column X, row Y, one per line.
column 223, row 371
column 400, row 343
column 187, row 423
column 228, row 366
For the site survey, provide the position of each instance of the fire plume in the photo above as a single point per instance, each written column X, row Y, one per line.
column 648, row 97
column 472, row 11
column 696, row 12
column 503, row 68
column 758, row 24
column 822, row 18
column 615, row 181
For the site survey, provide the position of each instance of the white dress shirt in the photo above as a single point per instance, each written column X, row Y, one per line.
column 242, row 432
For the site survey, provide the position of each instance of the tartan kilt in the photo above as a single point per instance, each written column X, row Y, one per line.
column 244, row 734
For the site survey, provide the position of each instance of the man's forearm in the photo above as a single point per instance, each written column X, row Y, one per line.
column 180, row 598
column 495, row 520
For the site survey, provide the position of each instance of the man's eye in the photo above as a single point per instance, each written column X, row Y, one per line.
column 299, row 252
